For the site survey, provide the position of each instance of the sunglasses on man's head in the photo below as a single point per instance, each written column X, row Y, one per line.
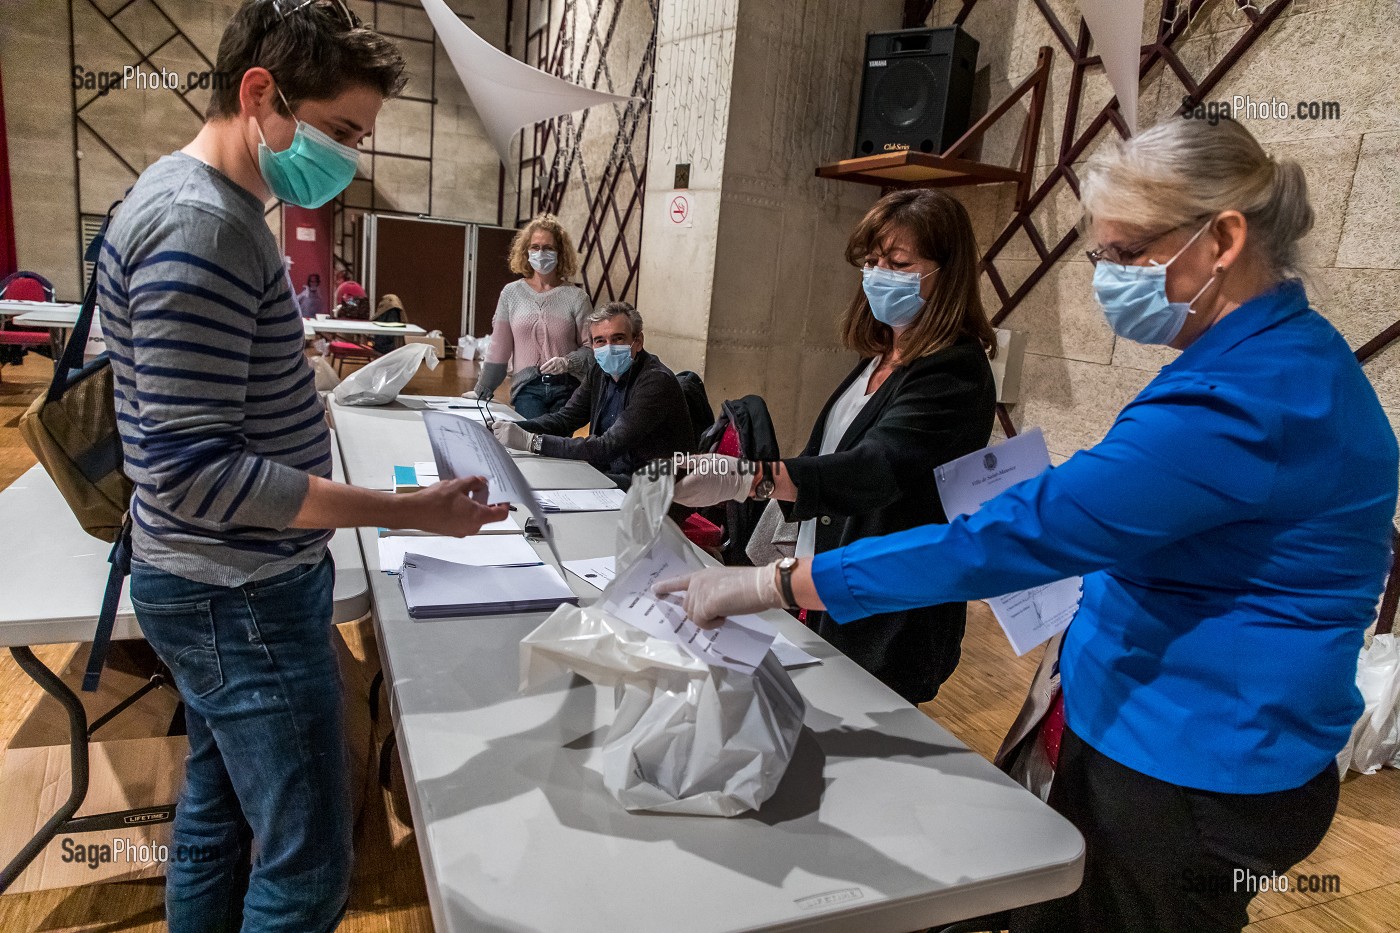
column 285, row 8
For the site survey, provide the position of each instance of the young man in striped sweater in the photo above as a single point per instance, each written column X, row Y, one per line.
column 227, row 443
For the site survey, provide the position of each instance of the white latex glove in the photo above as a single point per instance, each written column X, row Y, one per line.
column 714, row 478
column 470, row 395
column 713, row 594
column 512, row 435
column 554, row 366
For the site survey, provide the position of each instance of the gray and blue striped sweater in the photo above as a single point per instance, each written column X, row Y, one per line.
column 216, row 404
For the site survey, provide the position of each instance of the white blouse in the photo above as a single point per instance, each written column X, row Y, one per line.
column 838, row 421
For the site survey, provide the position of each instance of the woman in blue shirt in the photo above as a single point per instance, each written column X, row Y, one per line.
column 1233, row 530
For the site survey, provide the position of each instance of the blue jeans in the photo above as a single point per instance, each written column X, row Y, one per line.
column 267, row 772
column 538, row 397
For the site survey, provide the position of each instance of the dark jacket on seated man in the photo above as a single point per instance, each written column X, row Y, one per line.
column 640, row 417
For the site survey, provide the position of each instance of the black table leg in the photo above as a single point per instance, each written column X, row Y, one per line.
column 78, row 746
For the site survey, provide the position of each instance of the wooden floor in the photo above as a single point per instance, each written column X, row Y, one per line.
column 977, row 704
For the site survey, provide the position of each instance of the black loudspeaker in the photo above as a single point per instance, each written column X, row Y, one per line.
column 917, row 90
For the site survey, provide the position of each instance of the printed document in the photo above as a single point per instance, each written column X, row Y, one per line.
column 462, row 448
column 740, row 643
column 1028, row 617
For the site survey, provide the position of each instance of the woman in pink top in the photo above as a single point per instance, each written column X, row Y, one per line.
column 541, row 324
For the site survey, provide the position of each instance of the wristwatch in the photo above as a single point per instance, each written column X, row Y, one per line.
column 764, row 489
column 785, row 568
column 536, row 440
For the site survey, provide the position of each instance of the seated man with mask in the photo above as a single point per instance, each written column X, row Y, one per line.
column 631, row 401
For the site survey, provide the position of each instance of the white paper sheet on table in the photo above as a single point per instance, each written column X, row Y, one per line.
column 462, row 447
column 741, row 642
column 596, row 571
column 789, row 654
column 479, row 552
column 1028, row 617
column 581, row 500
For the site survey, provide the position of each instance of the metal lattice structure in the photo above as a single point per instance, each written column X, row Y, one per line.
column 555, row 173
column 1074, row 142
column 142, row 34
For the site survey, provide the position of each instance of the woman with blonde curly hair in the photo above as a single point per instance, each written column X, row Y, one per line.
column 541, row 323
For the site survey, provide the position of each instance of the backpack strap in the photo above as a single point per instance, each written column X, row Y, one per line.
column 120, row 559
column 72, row 357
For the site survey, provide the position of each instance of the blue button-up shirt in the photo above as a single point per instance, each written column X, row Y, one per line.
column 1233, row 529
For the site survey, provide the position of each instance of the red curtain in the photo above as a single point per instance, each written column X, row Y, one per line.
column 8, row 260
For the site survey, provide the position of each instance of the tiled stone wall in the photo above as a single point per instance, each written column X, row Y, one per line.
column 1078, row 374
column 143, row 125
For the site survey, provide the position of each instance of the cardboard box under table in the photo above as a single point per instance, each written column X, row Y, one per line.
column 135, row 769
column 136, row 762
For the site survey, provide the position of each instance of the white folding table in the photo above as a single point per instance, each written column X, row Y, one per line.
column 13, row 308
column 884, row 823
column 55, row 577
column 334, row 325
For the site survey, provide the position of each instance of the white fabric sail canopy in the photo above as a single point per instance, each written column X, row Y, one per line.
column 507, row 93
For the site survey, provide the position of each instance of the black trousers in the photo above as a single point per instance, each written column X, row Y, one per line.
column 1161, row 858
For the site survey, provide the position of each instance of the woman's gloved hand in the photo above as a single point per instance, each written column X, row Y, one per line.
column 714, row 478
column 554, row 366
column 716, row 593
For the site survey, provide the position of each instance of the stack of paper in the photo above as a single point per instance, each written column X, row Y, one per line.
column 581, row 500
column 439, row 589
column 475, row 551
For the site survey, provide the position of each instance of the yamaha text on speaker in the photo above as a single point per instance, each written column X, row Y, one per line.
column 917, row 90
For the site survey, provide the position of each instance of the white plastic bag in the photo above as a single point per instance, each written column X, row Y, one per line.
column 688, row 737
column 379, row 381
column 326, row 379
column 1375, row 739
column 466, row 347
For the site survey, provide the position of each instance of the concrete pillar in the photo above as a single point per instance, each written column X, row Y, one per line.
column 747, row 286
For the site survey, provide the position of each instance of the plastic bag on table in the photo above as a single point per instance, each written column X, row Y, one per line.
column 466, row 347
column 326, row 379
column 379, row 381
column 1375, row 739
column 483, row 346
column 689, row 736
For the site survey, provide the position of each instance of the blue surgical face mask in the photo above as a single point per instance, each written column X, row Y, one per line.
column 894, row 296
column 544, row 260
column 1134, row 299
column 614, row 359
column 309, row 172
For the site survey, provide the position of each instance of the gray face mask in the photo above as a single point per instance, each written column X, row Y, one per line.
column 543, row 261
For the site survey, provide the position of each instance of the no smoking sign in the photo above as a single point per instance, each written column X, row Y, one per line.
column 679, row 211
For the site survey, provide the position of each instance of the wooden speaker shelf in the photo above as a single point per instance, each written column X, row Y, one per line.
column 915, row 169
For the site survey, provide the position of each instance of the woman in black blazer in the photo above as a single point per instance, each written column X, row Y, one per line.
column 921, row 395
